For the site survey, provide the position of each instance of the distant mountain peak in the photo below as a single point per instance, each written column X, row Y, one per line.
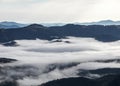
column 106, row 21
column 102, row 22
column 7, row 25
column 35, row 26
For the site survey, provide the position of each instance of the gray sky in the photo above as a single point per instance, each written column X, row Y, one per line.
column 59, row 10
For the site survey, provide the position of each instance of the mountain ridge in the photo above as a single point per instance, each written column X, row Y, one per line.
column 99, row 32
column 102, row 22
column 10, row 25
column 108, row 80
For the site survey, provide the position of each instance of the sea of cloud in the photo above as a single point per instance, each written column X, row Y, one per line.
column 40, row 61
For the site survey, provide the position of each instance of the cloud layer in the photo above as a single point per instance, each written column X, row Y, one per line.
column 40, row 61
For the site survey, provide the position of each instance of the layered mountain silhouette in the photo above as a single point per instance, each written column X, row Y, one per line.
column 102, row 22
column 102, row 33
column 99, row 32
column 8, row 25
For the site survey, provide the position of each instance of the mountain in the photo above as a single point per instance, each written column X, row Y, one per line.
column 7, row 25
column 109, row 80
column 103, row 22
column 6, row 60
column 11, row 25
column 99, row 32
column 34, row 26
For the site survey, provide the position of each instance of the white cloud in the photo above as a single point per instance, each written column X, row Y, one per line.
column 56, row 54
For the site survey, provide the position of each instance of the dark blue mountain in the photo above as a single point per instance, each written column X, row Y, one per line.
column 99, row 32
column 109, row 80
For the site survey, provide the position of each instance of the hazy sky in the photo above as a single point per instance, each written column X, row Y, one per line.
column 59, row 10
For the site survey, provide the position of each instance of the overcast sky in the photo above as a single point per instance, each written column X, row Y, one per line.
column 39, row 11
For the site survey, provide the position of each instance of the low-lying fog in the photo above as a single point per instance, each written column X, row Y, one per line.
column 40, row 61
